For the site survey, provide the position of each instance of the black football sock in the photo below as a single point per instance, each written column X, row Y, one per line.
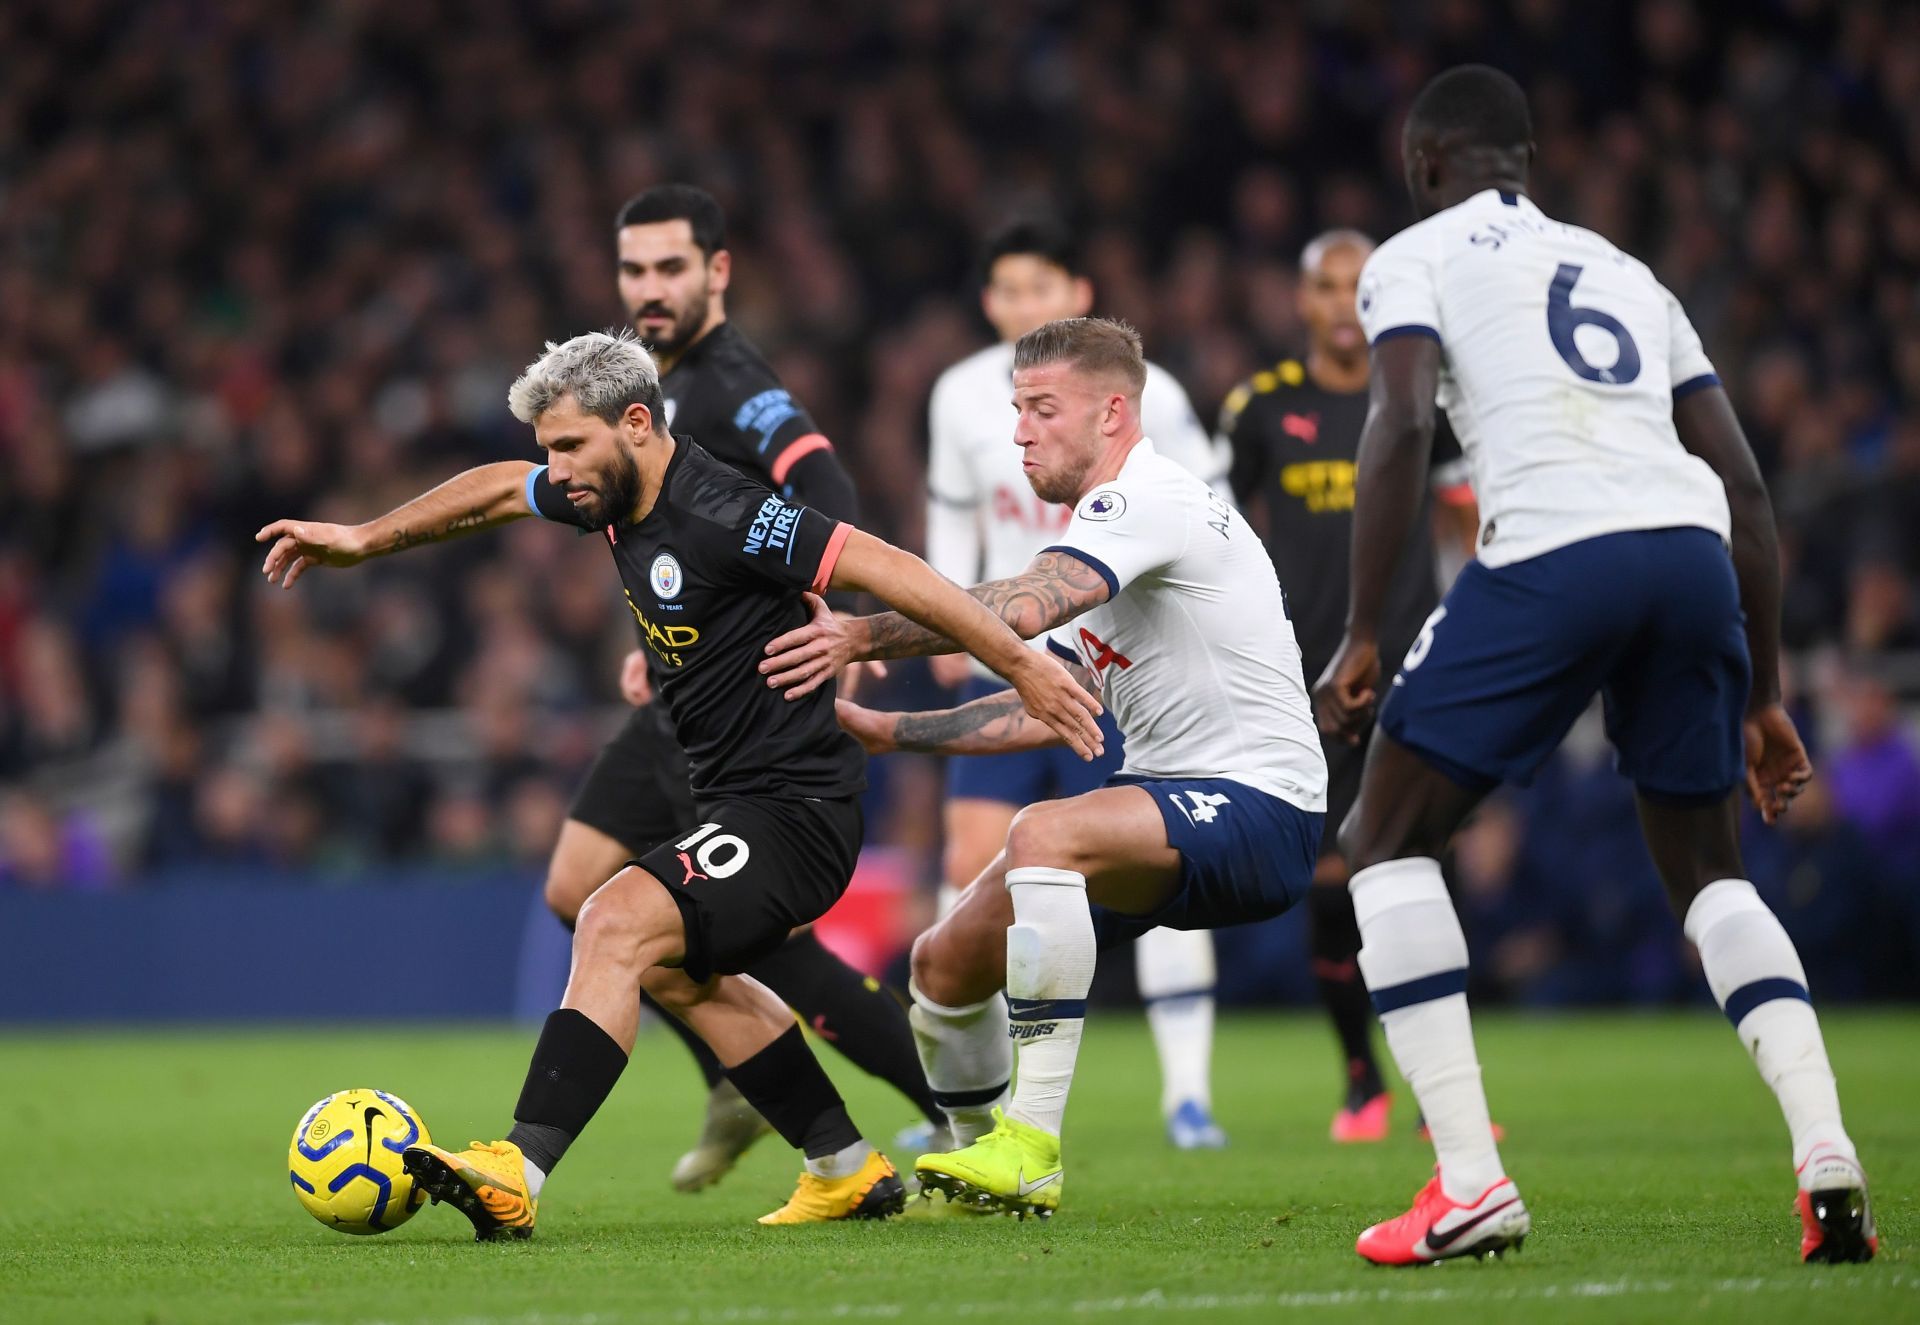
column 854, row 1013
column 786, row 1083
column 1333, row 936
column 702, row 1056
column 573, row 1070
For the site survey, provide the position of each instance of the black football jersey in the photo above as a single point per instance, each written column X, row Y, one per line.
column 1294, row 445
column 713, row 573
column 723, row 392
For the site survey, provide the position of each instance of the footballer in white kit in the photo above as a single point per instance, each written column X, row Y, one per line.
column 1169, row 605
column 985, row 522
column 1626, row 549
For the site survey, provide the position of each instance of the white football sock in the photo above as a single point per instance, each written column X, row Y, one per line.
column 1050, row 959
column 1414, row 958
column 1758, row 981
column 1175, row 971
column 841, row 1163
column 536, row 1177
column 968, row 1060
column 945, row 899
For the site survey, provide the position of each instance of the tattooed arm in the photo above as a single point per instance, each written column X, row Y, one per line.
column 480, row 498
column 1056, row 587
column 994, row 724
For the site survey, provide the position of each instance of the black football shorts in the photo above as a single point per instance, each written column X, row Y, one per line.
column 747, row 871
column 636, row 792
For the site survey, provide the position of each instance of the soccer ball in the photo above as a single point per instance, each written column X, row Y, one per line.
column 345, row 1161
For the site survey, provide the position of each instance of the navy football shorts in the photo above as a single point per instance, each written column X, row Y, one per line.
column 1244, row 856
column 1650, row 620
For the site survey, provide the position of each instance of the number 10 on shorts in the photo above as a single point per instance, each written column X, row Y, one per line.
column 1205, row 807
column 718, row 857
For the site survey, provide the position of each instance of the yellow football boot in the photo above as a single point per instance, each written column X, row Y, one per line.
column 1014, row 1169
column 873, row 1193
column 486, row 1182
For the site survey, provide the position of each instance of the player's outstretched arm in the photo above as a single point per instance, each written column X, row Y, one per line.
column 480, row 498
column 1390, row 475
column 993, row 724
column 1777, row 763
column 1056, row 587
column 937, row 604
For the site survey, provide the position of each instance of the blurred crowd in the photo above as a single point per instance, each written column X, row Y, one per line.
column 260, row 260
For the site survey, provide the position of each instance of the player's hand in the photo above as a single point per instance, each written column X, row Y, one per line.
column 1343, row 697
column 1052, row 695
column 950, row 670
column 854, row 676
column 1777, row 765
column 636, row 687
column 874, row 730
column 803, row 660
column 299, row 544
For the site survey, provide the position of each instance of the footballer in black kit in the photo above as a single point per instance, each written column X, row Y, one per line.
column 770, row 829
column 1295, row 432
column 674, row 269
column 715, row 566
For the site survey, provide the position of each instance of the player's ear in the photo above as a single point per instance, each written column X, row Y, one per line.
column 719, row 271
column 639, row 419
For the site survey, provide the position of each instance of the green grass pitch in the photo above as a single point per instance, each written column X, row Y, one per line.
column 145, row 1181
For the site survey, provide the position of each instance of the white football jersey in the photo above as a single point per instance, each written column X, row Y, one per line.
column 1192, row 650
column 1561, row 357
column 983, row 521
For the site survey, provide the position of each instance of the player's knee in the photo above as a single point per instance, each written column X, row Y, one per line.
column 619, row 924
column 566, row 893
column 936, row 971
column 1042, row 835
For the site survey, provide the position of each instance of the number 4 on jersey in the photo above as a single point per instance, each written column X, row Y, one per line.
column 1205, row 807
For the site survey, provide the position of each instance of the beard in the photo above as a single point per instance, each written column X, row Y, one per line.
column 683, row 329
column 615, row 495
column 1059, row 487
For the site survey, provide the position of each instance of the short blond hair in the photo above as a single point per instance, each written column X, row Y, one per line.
column 1102, row 346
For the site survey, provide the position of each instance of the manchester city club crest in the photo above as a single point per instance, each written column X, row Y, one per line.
column 1104, row 505
column 665, row 576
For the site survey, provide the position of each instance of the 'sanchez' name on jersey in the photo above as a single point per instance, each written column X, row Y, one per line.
column 1515, row 299
column 1192, row 650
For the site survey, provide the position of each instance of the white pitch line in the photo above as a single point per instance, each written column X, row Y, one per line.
column 1154, row 1300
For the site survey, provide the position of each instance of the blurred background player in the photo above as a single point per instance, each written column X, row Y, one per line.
column 985, row 523
column 674, row 269
column 1627, row 547
column 1294, row 430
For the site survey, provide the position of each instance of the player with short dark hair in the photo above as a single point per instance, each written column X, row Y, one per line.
column 1167, row 604
column 1626, row 547
column 1294, row 430
column 714, row 567
column 984, row 522
column 674, row 270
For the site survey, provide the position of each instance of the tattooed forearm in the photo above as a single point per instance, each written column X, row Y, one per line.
column 1056, row 587
column 460, row 524
column 997, row 722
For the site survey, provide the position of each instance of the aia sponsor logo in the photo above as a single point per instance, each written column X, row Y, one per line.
column 1100, row 655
